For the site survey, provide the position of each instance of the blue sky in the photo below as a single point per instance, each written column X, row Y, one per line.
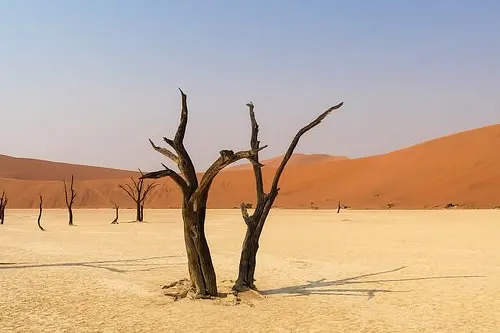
column 90, row 81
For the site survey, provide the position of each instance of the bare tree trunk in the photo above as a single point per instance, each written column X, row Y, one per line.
column 3, row 204
column 255, row 222
column 70, row 198
column 338, row 208
column 201, row 269
column 139, row 195
column 248, row 258
column 40, row 214
column 115, row 221
column 138, row 215
column 195, row 194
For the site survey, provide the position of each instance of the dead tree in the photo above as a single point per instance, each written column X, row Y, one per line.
column 255, row 222
column 338, row 208
column 194, row 203
column 115, row 221
column 70, row 198
column 139, row 194
column 40, row 214
column 3, row 203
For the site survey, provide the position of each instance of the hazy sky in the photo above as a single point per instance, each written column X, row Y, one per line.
column 90, row 81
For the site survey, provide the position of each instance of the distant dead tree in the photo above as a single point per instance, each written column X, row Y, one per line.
column 70, row 198
column 194, row 203
column 255, row 222
column 40, row 214
column 3, row 203
column 338, row 207
column 139, row 194
column 115, row 221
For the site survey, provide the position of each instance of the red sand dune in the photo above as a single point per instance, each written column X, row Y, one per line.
column 462, row 169
column 32, row 169
column 295, row 160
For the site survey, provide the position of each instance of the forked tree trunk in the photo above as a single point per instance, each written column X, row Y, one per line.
column 255, row 222
column 139, row 194
column 250, row 247
column 195, row 194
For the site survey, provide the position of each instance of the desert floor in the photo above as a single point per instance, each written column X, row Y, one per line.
column 358, row 271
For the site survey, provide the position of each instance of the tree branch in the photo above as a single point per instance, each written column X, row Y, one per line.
column 184, row 161
column 130, row 193
column 226, row 158
column 148, row 189
column 254, row 144
column 244, row 213
column 295, row 141
column 168, row 173
column 181, row 130
column 73, row 193
column 165, row 152
column 136, row 184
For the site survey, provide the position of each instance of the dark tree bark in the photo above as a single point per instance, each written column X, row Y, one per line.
column 194, row 204
column 3, row 204
column 139, row 194
column 338, row 208
column 40, row 214
column 70, row 198
column 115, row 221
column 255, row 222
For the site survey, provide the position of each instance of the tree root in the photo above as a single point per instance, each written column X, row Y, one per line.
column 183, row 288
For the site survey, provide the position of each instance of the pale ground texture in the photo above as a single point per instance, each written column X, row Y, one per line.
column 370, row 271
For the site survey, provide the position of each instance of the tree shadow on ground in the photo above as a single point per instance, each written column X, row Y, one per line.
column 105, row 264
column 318, row 287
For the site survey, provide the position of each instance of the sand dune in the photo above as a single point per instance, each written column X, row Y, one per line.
column 297, row 159
column 462, row 169
column 33, row 169
column 390, row 272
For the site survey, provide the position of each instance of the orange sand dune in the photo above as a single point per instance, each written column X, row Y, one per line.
column 295, row 160
column 32, row 169
column 462, row 169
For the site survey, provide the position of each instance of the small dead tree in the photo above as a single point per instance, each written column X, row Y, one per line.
column 194, row 203
column 338, row 208
column 255, row 222
column 40, row 214
column 139, row 194
column 115, row 221
column 3, row 204
column 70, row 198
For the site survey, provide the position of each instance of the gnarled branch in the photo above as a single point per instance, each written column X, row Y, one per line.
column 129, row 191
column 165, row 152
column 295, row 141
column 147, row 190
column 226, row 158
column 168, row 173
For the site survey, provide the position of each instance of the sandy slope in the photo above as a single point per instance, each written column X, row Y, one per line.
column 297, row 159
column 33, row 169
column 427, row 271
column 463, row 169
